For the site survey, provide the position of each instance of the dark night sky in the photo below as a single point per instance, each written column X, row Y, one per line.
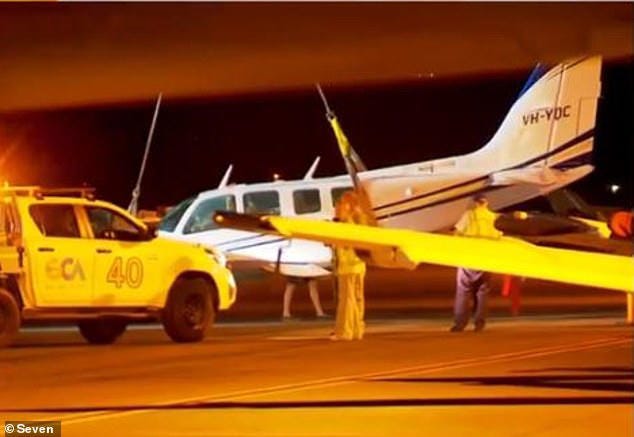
column 265, row 133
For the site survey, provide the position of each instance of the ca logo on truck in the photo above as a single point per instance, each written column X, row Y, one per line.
column 67, row 269
column 546, row 114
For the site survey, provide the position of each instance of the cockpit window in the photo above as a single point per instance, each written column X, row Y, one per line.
column 262, row 202
column 306, row 201
column 337, row 192
column 202, row 217
column 174, row 215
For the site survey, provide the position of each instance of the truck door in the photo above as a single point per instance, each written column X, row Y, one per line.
column 126, row 263
column 62, row 261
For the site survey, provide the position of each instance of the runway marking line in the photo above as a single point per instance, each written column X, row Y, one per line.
column 350, row 379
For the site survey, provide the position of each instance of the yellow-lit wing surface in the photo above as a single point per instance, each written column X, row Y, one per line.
column 407, row 249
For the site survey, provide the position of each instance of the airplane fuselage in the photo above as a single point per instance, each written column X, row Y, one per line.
column 431, row 197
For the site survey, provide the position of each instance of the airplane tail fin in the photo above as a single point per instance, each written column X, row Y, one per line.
column 552, row 122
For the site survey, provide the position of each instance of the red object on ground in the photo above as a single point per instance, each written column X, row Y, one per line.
column 621, row 224
column 512, row 288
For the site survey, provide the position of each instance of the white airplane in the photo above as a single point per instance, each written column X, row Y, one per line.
column 544, row 143
column 192, row 220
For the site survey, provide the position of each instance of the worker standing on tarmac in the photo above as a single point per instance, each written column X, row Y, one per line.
column 311, row 283
column 350, row 273
column 478, row 222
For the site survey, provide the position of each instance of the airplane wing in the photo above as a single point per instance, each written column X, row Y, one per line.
column 400, row 248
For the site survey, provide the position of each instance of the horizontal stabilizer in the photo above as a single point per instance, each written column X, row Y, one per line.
column 535, row 176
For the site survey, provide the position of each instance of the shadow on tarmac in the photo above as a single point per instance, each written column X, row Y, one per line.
column 352, row 403
column 617, row 379
column 629, row 370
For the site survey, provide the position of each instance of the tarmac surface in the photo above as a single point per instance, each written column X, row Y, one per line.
column 551, row 374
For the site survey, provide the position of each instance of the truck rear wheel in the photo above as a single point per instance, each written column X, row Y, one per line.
column 102, row 331
column 189, row 310
column 9, row 318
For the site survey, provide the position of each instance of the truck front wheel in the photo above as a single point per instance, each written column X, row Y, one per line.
column 9, row 318
column 189, row 310
column 102, row 331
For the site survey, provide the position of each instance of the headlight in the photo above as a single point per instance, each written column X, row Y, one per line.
column 217, row 255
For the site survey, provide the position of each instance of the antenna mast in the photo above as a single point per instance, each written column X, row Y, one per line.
column 136, row 192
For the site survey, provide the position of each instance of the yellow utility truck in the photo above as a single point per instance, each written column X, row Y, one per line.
column 68, row 258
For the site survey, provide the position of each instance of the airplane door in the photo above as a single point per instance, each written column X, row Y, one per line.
column 126, row 265
column 62, row 260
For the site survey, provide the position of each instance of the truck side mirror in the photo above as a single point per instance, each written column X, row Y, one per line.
column 151, row 232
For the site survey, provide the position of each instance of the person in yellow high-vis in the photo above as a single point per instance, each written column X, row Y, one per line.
column 350, row 273
column 478, row 222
